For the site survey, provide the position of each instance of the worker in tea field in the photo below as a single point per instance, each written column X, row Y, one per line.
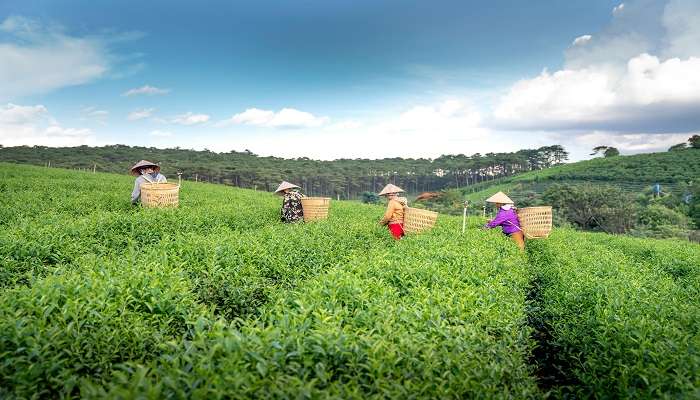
column 506, row 218
column 393, row 217
column 291, row 203
column 144, row 171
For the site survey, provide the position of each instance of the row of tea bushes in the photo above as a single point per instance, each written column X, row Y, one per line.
column 237, row 272
column 62, row 215
column 679, row 259
column 400, row 322
column 620, row 327
column 83, row 324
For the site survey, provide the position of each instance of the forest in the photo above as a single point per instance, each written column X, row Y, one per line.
column 343, row 178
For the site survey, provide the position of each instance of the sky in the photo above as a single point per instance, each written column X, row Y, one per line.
column 349, row 79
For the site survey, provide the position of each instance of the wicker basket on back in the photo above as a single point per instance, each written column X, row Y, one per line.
column 416, row 220
column 160, row 194
column 536, row 222
column 315, row 208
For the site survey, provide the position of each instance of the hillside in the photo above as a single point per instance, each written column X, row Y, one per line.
column 629, row 178
column 217, row 299
column 633, row 173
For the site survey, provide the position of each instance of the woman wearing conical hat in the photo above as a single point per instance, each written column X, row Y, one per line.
column 291, row 204
column 506, row 218
column 393, row 217
column 144, row 171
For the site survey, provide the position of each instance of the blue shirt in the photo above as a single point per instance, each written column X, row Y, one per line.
column 136, row 193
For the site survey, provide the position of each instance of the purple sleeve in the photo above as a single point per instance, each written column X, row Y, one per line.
column 500, row 218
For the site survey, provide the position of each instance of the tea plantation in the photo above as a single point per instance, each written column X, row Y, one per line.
column 217, row 299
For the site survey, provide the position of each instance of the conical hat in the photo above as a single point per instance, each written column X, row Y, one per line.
column 500, row 197
column 285, row 185
column 390, row 189
column 142, row 164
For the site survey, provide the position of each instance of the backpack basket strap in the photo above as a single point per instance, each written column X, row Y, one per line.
column 147, row 178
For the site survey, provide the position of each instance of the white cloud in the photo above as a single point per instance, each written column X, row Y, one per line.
column 635, row 85
column 618, row 9
column 649, row 80
column 634, row 29
column 596, row 96
column 33, row 125
column 639, row 74
column 291, row 118
column 581, row 40
column 253, row 116
column 146, row 90
column 161, row 133
column 37, row 59
column 140, row 114
column 285, row 118
column 632, row 142
column 94, row 114
column 607, row 52
column 423, row 130
column 190, row 119
column 12, row 114
column 450, row 116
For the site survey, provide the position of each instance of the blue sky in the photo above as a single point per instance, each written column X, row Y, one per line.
column 330, row 79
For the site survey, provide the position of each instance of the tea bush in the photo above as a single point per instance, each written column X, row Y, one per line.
column 218, row 299
column 676, row 258
column 83, row 323
column 623, row 328
column 399, row 322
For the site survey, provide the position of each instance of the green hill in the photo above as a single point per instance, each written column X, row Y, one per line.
column 637, row 173
column 217, row 299
column 630, row 178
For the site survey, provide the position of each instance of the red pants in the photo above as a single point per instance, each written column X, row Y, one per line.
column 396, row 230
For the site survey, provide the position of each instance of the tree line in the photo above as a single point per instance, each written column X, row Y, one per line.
column 344, row 178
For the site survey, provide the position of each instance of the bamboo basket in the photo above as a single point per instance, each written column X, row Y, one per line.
column 160, row 194
column 315, row 208
column 416, row 220
column 535, row 222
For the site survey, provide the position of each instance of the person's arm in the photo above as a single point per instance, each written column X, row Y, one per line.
column 161, row 178
column 388, row 214
column 136, row 193
column 500, row 218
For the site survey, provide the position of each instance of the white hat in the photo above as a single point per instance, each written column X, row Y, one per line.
column 388, row 189
column 501, row 198
column 286, row 185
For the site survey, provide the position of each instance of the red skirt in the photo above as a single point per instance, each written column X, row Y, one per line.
column 396, row 230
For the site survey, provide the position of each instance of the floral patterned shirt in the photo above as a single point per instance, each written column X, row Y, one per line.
column 291, row 207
